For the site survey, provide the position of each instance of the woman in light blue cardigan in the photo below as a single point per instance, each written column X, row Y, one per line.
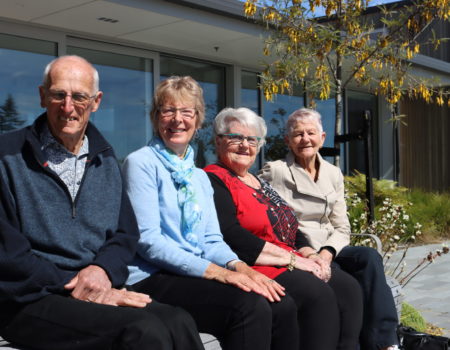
column 182, row 259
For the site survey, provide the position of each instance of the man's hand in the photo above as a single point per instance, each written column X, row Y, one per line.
column 89, row 284
column 273, row 291
column 92, row 284
column 123, row 297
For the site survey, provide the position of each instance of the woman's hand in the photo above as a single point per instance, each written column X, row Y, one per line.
column 234, row 278
column 313, row 267
column 324, row 265
column 326, row 256
column 273, row 291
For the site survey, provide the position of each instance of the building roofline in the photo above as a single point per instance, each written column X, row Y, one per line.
column 227, row 8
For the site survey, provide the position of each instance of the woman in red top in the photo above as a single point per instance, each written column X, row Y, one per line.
column 262, row 229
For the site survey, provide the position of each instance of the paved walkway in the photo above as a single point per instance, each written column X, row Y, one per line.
column 429, row 291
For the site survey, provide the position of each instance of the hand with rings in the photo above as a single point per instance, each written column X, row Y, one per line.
column 272, row 290
column 324, row 265
column 310, row 266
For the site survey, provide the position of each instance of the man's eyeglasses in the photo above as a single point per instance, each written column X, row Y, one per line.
column 78, row 98
column 235, row 139
column 170, row 112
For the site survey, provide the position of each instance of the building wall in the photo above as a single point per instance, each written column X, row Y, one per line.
column 441, row 30
column 425, row 146
column 130, row 68
column 128, row 75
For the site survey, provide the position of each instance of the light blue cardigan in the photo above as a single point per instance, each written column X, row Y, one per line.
column 161, row 245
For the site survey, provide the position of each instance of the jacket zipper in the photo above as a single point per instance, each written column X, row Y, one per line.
column 88, row 165
column 46, row 168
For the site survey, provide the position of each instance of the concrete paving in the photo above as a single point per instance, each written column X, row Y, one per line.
column 429, row 291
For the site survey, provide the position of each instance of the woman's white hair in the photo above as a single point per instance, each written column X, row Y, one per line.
column 304, row 114
column 244, row 116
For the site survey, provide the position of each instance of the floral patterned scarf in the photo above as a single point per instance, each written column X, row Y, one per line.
column 181, row 171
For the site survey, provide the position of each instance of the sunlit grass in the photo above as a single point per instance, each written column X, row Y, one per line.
column 432, row 210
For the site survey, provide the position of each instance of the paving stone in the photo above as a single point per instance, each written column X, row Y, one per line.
column 429, row 292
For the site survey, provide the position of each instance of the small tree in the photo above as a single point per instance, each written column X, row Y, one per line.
column 9, row 117
column 347, row 46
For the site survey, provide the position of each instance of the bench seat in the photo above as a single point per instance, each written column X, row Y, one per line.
column 209, row 341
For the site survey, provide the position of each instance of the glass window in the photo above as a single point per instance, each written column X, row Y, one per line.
column 212, row 80
column 23, row 62
column 250, row 94
column 358, row 102
column 250, row 98
column 327, row 110
column 127, row 85
column 276, row 114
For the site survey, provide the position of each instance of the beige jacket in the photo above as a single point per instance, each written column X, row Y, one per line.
column 319, row 206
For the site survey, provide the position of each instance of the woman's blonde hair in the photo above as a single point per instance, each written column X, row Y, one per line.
column 178, row 88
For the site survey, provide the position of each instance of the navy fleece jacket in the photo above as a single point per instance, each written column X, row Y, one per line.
column 45, row 237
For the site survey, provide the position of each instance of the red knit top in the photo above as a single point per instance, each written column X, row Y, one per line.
column 262, row 212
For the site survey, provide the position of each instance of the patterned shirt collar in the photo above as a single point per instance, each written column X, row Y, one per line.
column 68, row 166
column 48, row 140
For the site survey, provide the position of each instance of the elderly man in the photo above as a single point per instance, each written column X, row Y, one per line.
column 67, row 232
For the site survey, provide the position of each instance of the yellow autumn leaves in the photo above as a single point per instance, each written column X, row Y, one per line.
column 324, row 55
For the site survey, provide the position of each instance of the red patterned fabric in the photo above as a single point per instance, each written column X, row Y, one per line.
column 261, row 212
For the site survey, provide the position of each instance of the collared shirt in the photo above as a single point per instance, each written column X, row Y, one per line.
column 68, row 166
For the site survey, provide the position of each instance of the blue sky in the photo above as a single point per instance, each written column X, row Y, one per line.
column 379, row 2
column 372, row 3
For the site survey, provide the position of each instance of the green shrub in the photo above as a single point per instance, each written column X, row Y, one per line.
column 382, row 189
column 410, row 317
column 433, row 211
column 398, row 216
column 392, row 222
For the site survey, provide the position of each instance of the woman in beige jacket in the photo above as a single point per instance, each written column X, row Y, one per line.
column 315, row 190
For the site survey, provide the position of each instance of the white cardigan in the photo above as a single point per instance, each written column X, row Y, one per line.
column 319, row 206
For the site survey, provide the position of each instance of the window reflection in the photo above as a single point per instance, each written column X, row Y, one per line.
column 23, row 61
column 276, row 114
column 126, row 82
column 327, row 110
column 250, row 98
column 211, row 78
column 250, row 94
column 358, row 102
